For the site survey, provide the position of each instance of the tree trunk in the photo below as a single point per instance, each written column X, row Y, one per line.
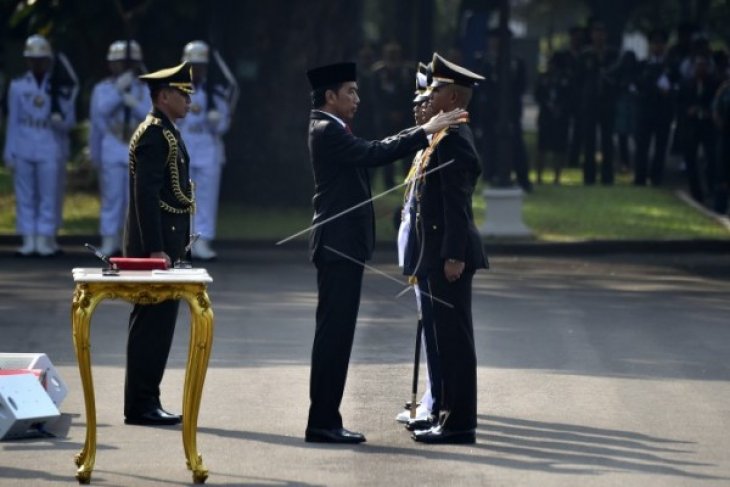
column 267, row 145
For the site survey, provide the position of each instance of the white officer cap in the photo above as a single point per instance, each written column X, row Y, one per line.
column 36, row 46
column 196, row 52
column 118, row 51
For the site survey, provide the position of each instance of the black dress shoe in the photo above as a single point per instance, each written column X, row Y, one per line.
column 439, row 435
column 334, row 435
column 154, row 417
column 422, row 424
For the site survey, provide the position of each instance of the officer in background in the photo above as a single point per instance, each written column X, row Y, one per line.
column 202, row 130
column 598, row 104
column 518, row 85
column 695, row 103
column 118, row 104
column 40, row 114
column 158, row 225
column 656, row 110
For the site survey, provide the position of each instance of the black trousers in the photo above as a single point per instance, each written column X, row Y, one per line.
column 656, row 129
column 429, row 335
column 700, row 133
column 151, row 328
column 339, row 284
column 604, row 121
column 457, row 354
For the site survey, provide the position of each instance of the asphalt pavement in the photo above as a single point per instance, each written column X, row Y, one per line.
column 594, row 370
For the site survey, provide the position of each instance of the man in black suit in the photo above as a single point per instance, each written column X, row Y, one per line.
column 656, row 111
column 158, row 225
column 445, row 249
column 338, row 247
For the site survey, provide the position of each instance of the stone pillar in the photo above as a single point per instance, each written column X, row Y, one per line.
column 504, row 213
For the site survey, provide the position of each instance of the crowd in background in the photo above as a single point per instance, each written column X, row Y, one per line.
column 599, row 109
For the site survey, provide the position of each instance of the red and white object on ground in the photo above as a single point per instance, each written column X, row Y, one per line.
column 40, row 365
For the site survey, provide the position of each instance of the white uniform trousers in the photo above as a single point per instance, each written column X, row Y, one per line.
column 207, row 184
column 37, row 196
column 114, row 189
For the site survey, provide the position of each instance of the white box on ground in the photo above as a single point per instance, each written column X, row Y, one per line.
column 50, row 379
column 24, row 404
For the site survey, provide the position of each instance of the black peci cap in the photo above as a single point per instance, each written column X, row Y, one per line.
column 445, row 73
column 332, row 74
column 177, row 77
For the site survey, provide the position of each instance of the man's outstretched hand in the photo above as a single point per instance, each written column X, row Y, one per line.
column 443, row 120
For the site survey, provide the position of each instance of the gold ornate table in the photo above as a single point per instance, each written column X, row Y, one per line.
column 145, row 287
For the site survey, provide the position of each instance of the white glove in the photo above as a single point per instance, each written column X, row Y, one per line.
column 214, row 116
column 663, row 83
column 130, row 100
column 124, row 80
column 56, row 120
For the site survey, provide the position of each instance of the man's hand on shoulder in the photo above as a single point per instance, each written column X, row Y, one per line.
column 444, row 120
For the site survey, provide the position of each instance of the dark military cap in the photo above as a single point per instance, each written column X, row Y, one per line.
column 178, row 77
column 423, row 76
column 332, row 74
column 446, row 73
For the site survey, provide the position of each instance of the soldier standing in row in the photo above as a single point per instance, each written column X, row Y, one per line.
column 597, row 105
column 118, row 104
column 40, row 114
column 656, row 111
column 202, row 130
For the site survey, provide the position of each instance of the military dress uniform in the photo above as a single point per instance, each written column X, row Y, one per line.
column 118, row 105
column 340, row 161
column 40, row 117
column 203, row 129
column 158, row 220
column 444, row 230
column 430, row 400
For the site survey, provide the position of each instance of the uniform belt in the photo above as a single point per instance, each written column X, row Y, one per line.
column 36, row 123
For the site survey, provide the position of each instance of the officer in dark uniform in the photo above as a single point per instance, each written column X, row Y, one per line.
column 338, row 247
column 656, row 110
column 158, row 225
column 445, row 247
column 695, row 102
column 598, row 104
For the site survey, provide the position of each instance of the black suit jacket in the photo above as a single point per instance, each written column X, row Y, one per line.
column 444, row 222
column 339, row 162
column 160, row 197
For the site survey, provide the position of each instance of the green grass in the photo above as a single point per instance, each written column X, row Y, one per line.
column 569, row 212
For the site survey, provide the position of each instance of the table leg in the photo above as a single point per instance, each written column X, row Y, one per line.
column 201, row 340
column 82, row 308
